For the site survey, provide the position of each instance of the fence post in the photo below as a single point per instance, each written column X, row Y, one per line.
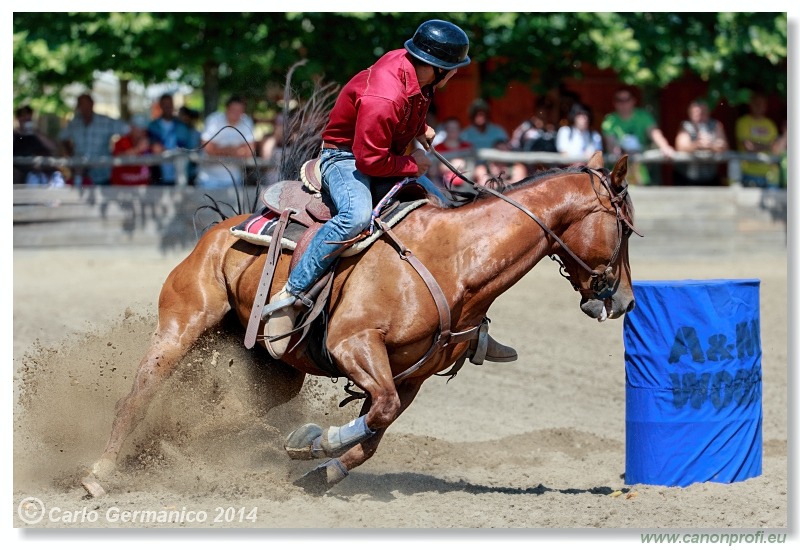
column 734, row 171
column 181, row 171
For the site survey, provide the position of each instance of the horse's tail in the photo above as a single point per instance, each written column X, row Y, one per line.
column 302, row 141
column 303, row 127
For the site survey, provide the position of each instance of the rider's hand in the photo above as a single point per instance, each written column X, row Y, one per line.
column 430, row 133
column 423, row 162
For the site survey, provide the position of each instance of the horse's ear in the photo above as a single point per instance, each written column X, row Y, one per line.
column 596, row 161
column 620, row 171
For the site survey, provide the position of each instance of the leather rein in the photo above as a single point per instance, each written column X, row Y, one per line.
column 601, row 286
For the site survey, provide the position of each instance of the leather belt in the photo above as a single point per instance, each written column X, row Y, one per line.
column 339, row 147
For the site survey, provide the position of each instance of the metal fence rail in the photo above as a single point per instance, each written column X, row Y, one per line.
column 182, row 160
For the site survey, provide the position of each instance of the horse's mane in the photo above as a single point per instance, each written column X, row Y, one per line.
column 540, row 176
column 498, row 184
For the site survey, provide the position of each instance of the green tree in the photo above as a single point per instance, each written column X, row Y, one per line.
column 250, row 53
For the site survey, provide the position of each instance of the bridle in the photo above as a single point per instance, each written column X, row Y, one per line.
column 602, row 286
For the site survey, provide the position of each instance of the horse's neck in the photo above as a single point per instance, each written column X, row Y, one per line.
column 507, row 243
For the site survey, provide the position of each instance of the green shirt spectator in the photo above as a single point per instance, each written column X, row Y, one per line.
column 631, row 130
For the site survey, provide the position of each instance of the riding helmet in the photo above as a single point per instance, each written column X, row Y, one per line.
column 440, row 44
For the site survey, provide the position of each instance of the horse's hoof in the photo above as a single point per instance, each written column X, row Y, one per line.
column 323, row 477
column 299, row 443
column 103, row 468
column 93, row 486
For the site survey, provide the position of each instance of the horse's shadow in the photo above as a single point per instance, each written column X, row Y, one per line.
column 382, row 486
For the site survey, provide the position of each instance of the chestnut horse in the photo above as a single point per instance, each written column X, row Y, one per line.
column 382, row 316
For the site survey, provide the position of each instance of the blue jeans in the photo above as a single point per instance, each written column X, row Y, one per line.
column 351, row 194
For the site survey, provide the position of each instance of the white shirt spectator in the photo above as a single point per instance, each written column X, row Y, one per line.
column 213, row 174
column 578, row 143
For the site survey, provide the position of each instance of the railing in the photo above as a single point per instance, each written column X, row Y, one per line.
column 182, row 159
column 733, row 159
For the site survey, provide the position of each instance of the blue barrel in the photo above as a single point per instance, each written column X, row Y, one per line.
column 693, row 382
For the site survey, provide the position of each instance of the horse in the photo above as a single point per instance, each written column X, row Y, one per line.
column 384, row 330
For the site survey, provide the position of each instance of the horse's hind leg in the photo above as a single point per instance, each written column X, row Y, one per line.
column 191, row 302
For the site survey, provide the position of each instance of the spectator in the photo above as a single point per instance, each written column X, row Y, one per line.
column 578, row 139
column 534, row 135
column 432, row 120
column 135, row 143
column 630, row 129
column 482, row 133
column 223, row 137
column 272, row 149
column 779, row 149
column 755, row 133
column 169, row 133
column 190, row 117
column 450, row 142
column 698, row 135
column 89, row 134
column 498, row 169
column 30, row 142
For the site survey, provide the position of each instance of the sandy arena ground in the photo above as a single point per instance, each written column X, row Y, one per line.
column 537, row 445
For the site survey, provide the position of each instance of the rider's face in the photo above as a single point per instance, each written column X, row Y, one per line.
column 447, row 77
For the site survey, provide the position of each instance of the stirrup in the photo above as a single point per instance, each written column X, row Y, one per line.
column 289, row 301
column 483, row 343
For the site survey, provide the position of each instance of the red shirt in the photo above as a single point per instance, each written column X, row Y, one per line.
column 378, row 113
column 128, row 175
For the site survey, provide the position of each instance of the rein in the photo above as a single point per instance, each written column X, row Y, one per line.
column 600, row 284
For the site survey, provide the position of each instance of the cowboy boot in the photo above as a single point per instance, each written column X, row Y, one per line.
column 485, row 348
column 499, row 353
column 280, row 322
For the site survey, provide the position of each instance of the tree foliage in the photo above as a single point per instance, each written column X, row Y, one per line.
column 250, row 53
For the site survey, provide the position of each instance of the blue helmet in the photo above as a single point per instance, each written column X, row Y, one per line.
column 440, row 44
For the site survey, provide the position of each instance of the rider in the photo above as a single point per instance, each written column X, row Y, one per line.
column 376, row 117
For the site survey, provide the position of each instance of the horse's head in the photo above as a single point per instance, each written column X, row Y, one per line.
column 599, row 268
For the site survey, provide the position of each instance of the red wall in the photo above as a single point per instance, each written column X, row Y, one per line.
column 595, row 90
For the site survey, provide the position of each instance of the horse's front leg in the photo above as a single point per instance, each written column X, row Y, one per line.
column 334, row 470
column 364, row 359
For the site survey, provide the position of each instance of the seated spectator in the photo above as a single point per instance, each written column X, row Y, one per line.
column 222, row 137
column 629, row 129
column 452, row 140
column 756, row 133
column 89, row 135
column 449, row 142
column 578, row 139
column 448, row 178
column 29, row 141
column 534, row 135
column 697, row 135
column 496, row 169
column 482, row 133
column 169, row 133
column 135, row 143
